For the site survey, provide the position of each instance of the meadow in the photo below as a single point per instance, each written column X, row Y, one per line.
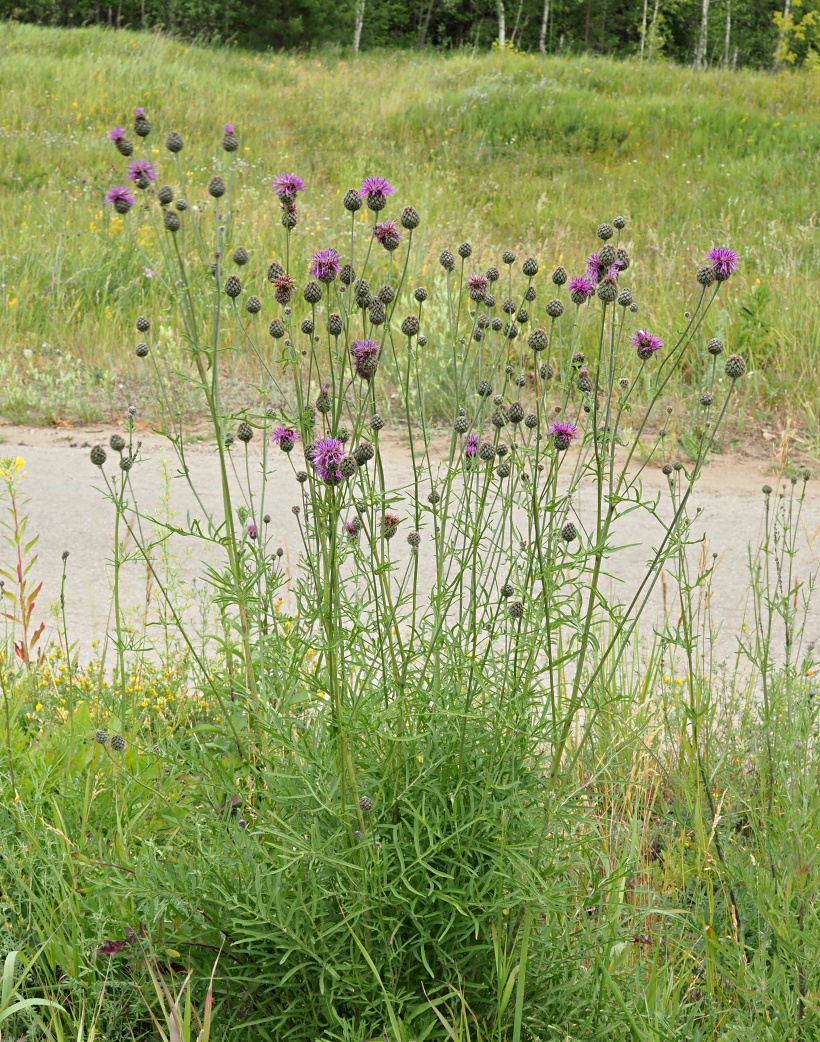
column 427, row 775
column 508, row 150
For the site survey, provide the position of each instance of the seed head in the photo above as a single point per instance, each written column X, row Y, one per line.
column 447, row 260
column 507, row 590
column 667, row 469
column 98, row 456
column 461, row 425
column 171, row 221
column 499, row 419
column 100, row 736
column 531, row 421
column 216, row 187
column 244, row 432
column 530, row 266
column 233, row 286
column 334, row 324
column 174, row 142
column 253, row 305
column 607, row 289
column 706, row 399
column 465, row 250
column 496, row 325
column 735, row 367
column 277, row 329
column 546, row 372
column 706, row 276
column 538, row 339
column 363, row 453
column 715, row 346
column 352, row 202
column 515, row 610
column 620, row 223
column 516, row 413
column 312, row 292
column 141, row 351
column 523, row 316
column 559, row 276
column 410, row 218
column 569, row 532
column 348, row 466
column 365, row 804
column 621, row 259
column 555, row 309
column 414, row 538
column 625, row 298
column 117, row 743
column 484, row 389
column 376, row 422
column 605, row 231
column 487, row 451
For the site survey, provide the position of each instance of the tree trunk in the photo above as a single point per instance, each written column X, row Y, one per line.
column 502, row 24
column 517, row 20
column 542, row 38
column 728, row 33
column 653, row 30
column 703, row 39
column 781, row 39
column 643, row 27
column 424, row 25
column 359, row 23
column 586, row 26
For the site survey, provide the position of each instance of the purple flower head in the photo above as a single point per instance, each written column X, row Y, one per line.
column 580, row 289
column 286, row 186
column 325, row 265
column 119, row 194
column 471, row 445
column 562, row 434
column 646, row 344
column 252, row 531
column 387, row 234
column 477, row 285
column 141, row 170
column 724, row 261
column 326, row 456
column 614, row 270
column 139, row 113
column 228, row 128
column 365, row 355
column 117, row 134
column 351, row 528
column 595, row 268
column 378, row 187
column 285, row 438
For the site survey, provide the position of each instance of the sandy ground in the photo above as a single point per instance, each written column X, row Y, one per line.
column 68, row 512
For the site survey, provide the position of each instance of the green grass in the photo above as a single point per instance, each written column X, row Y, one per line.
column 510, row 150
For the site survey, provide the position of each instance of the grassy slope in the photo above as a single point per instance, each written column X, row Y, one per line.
column 501, row 149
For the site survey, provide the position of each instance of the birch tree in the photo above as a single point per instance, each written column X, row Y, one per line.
column 703, row 38
column 542, row 36
column 359, row 23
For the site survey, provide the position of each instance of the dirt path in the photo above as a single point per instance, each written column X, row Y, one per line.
column 69, row 513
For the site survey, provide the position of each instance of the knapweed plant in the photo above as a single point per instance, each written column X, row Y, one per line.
column 397, row 755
